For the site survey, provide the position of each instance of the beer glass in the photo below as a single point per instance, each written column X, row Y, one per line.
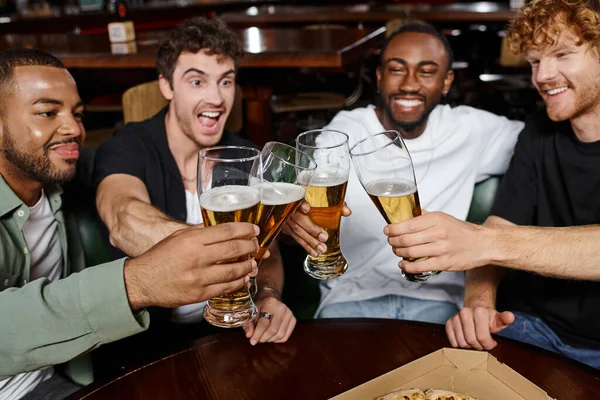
column 282, row 167
column 226, row 195
column 385, row 170
column 326, row 194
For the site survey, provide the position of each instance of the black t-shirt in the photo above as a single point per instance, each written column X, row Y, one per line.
column 141, row 149
column 553, row 181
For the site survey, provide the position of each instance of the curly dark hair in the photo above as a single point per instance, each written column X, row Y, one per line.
column 211, row 36
column 541, row 22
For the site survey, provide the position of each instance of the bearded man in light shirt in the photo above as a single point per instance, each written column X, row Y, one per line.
column 452, row 149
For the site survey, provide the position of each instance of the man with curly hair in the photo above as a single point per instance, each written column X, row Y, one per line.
column 146, row 173
column 544, row 226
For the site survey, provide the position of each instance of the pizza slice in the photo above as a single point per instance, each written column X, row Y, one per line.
column 404, row 394
column 435, row 394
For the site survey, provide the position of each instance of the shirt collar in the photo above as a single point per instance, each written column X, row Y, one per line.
column 10, row 201
column 158, row 132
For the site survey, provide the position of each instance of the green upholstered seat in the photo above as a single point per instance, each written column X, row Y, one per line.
column 483, row 199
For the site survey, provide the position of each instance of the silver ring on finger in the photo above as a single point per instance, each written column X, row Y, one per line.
column 266, row 315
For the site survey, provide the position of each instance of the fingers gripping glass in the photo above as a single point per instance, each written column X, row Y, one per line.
column 326, row 194
column 385, row 170
column 224, row 178
column 284, row 170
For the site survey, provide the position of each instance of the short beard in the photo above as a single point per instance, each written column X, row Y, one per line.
column 39, row 169
column 407, row 126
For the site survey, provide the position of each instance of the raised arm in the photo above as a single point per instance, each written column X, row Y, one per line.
column 454, row 245
column 570, row 252
column 51, row 323
column 93, row 307
column 134, row 224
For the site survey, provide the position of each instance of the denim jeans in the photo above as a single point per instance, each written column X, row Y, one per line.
column 534, row 331
column 393, row 307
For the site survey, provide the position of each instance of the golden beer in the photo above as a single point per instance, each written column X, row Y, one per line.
column 326, row 195
column 229, row 204
column 397, row 200
column 279, row 201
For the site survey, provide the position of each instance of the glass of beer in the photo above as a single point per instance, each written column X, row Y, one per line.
column 326, row 194
column 385, row 170
column 226, row 195
column 282, row 193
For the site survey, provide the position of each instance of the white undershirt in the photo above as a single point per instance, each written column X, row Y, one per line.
column 43, row 243
column 191, row 313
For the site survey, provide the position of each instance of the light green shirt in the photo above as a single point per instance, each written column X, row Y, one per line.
column 44, row 323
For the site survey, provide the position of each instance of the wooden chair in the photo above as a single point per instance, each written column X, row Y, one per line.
column 143, row 101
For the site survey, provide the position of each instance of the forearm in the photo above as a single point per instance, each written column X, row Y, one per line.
column 482, row 283
column 570, row 252
column 136, row 226
column 270, row 272
column 64, row 319
column 481, row 286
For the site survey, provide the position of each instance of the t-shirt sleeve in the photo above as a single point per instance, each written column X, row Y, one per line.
column 517, row 194
column 124, row 153
column 497, row 137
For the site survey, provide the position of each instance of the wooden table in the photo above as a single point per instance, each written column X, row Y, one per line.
column 322, row 359
column 265, row 48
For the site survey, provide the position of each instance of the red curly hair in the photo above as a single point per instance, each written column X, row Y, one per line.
column 540, row 23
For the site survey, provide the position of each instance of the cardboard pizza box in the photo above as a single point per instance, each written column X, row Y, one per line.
column 474, row 373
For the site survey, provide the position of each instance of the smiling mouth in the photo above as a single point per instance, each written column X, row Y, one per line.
column 555, row 91
column 209, row 119
column 211, row 114
column 408, row 103
column 69, row 150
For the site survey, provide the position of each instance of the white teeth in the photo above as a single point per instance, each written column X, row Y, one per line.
column 211, row 114
column 557, row 90
column 409, row 103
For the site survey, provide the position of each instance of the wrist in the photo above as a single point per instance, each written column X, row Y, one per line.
column 491, row 251
column 268, row 291
column 136, row 294
column 480, row 301
column 481, row 286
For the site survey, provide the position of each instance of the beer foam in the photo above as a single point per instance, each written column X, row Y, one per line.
column 326, row 177
column 229, row 198
column 391, row 187
column 276, row 193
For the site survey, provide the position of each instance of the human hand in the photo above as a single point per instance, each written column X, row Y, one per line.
column 473, row 327
column 448, row 243
column 275, row 329
column 308, row 235
column 192, row 265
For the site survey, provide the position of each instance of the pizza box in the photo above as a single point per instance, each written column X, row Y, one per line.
column 474, row 373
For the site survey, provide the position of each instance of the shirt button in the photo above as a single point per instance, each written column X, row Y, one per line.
column 20, row 213
column 25, row 250
column 5, row 282
column 24, row 281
